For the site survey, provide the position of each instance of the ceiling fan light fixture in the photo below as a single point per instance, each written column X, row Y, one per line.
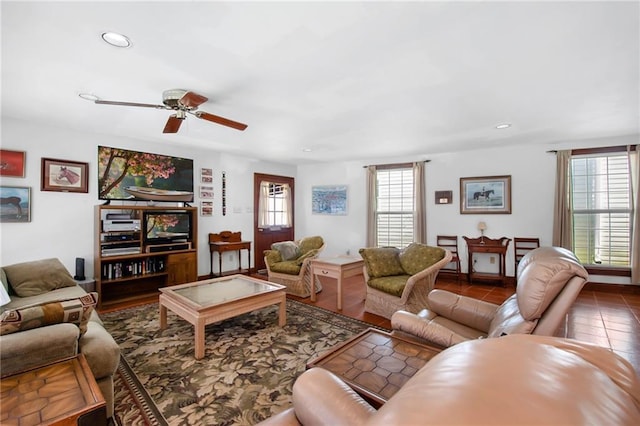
column 115, row 39
column 88, row 97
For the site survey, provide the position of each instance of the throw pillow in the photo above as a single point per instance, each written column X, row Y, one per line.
column 310, row 243
column 75, row 311
column 418, row 257
column 38, row 277
column 288, row 249
column 3, row 278
column 382, row 261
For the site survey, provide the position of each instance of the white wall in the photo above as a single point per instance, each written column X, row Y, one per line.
column 62, row 223
column 532, row 172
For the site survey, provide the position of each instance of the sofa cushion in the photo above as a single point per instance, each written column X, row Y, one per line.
column 288, row 249
column 76, row 311
column 382, row 261
column 310, row 243
column 418, row 257
column 37, row 277
column 286, row 267
column 307, row 255
column 393, row 285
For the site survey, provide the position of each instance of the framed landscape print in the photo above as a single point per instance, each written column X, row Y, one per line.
column 12, row 163
column 64, row 176
column 485, row 195
column 15, row 204
column 330, row 200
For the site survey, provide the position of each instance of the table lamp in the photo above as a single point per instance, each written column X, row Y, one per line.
column 481, row 227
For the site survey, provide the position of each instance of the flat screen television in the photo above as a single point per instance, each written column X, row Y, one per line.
column 132, row 175
column 166, row 227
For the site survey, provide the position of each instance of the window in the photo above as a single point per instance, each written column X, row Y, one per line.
column 602, row 209
column 274, row 205
column 395, row 207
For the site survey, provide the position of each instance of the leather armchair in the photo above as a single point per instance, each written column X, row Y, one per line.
column 518, row 379
column 549, row 280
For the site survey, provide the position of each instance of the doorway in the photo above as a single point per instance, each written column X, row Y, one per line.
column 273, row 217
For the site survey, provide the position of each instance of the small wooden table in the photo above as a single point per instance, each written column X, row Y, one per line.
column 228, row 241
column 63, row 393
column 338, row 268
column 204, row 302
column 487, row 245
column 376, row 364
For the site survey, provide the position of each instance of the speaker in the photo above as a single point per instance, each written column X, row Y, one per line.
column 79, row 269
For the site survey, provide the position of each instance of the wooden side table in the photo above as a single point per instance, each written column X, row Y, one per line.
column 487, row 245
column 376, row 364
column 63, row 393
column 228, row 241
column 338, row 268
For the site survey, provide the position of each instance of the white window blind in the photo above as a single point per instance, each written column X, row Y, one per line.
column 394, row 207
column 602, row 210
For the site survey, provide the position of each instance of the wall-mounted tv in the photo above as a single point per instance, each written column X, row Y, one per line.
column 132, row 175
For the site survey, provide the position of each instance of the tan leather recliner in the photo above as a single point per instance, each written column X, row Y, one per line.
column 518, row 379
column 549, row 280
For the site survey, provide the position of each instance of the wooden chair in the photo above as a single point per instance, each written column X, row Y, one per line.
column 450, row 242
column 522, row 246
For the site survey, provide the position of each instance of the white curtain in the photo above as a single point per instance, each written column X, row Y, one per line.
column 562, row 210
column 634, row 162
column 263, row 205
column 288, row 210
column 419, row 204
column 372, row 239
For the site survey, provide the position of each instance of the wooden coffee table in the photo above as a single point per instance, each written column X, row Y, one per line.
column 376, row 364
column 204, row 302
column 63, row 393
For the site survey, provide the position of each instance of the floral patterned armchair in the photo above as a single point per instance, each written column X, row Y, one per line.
column 289, row 263
column 401, row 279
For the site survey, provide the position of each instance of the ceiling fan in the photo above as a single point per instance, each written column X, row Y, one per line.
column 182, row 102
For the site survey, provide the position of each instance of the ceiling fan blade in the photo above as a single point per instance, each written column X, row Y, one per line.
column 220, row 120
column 134, row 104
column 192, row 100
column 173, row 124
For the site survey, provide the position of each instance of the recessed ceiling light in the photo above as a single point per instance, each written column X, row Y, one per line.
column 115, row 39
column 306, row 150
column 88, row 96
column 503, row 126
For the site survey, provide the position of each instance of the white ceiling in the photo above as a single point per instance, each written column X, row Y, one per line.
column 347, row 80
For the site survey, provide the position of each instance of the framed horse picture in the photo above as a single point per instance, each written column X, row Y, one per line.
column 485, row 195
column 15, row 204
column 64, row 176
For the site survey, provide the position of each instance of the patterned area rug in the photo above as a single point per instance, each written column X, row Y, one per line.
column 247, row 373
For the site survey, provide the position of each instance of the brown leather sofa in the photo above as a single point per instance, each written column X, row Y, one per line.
column 549, row 280
column 517, row 379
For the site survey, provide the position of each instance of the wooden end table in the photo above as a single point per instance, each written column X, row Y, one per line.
column 335, row 267
column 376, row 364
column 63, row 393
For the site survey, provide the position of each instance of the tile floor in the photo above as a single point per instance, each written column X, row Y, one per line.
column 607, row 319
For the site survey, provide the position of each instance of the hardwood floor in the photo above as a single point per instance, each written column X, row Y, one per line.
column 607, row 319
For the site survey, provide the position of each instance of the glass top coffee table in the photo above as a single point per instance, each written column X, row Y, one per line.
column 205, row 302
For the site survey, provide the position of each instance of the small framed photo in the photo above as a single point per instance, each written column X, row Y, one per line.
column 12, row 163
column 206, row 192
column 15, row 204
column 206, row 172
column 64, row 176
column 206, row 208
column 206, row 179
column 485, row 195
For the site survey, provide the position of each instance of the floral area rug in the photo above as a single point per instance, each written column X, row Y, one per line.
column 247, row 373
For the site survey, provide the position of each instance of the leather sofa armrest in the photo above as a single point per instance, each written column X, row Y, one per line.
column 33, row 348
column 284, row 418
column 420, row 325
column 473, row 313
column 100, row 349
column 321, row 398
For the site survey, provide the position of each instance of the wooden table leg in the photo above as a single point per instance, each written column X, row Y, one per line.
column 199, row 332
column 219, row 263
column 282, row 312
column 313, row 284
column 163, row 317
column 340, row 292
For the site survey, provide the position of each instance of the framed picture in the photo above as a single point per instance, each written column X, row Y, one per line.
column 206, row 191
column 15, row 204
column 485, row 195
column 206, row 208
column 12, row 163
column 331, row 200
column 64, row 176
